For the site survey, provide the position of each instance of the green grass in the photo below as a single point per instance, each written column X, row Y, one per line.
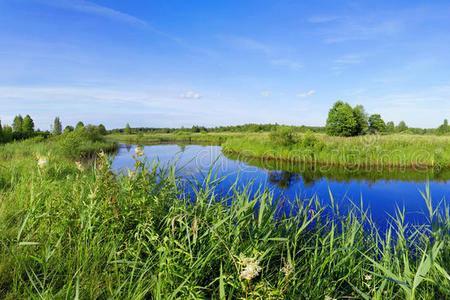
column 413, row 151
column 182, row 137
column 67, row 233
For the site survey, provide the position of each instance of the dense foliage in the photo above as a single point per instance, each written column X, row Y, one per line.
column 24, row 128
column 342, row 120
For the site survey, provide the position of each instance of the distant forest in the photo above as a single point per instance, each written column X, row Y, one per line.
column 401, row 128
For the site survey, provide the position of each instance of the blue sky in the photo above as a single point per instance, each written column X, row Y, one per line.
column 180, row 63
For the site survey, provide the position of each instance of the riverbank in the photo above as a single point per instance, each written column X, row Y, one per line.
column 78, row 231
column 182, row 137
column 393, row 151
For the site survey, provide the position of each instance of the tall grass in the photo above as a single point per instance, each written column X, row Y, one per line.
column 71, row 233
column 372, row 150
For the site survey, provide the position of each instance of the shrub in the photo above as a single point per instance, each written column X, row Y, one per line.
column 283, row 136
column 309, row 140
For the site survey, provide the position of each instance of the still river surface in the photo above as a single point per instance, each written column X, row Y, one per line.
column 380, row 190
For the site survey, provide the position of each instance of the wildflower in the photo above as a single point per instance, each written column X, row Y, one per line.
column 329, row 298
column 250, row 269
column 287, row 269
column 42, row 161
column 79, row 166
column 102, row 155
column 131, row 174
column 139, row 151
column 368, row 277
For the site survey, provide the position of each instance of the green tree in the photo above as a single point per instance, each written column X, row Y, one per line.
column 341, row 120
column 444, row 128
column 390, row 127
column 17, row 124
column 102, row 129
column 362, row 124
column 401, row 126
column 127, row 129
column 79, row 126
column 28, row 125
column 376, row 124
column 7, row 133
column 68, row 129
column 57, row 126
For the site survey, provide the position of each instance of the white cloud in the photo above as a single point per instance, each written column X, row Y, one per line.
column 291, row 64
column 350, row 59
column 190, row 95
column 247, row 44
column 322, row 19
column 266, row 93
column 95, row 9
column 306, row 94
column 273, row 54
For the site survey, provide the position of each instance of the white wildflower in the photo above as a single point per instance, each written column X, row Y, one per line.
column 42, row 161
column 368, row 277
column 79, row 166
column 139, row 151
column 250, row 268
column 131, row 174
column 287, row 269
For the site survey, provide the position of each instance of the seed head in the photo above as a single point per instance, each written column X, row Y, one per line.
column 250, row 268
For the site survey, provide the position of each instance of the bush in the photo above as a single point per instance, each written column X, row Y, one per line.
column 283, row 136
column 309, row 140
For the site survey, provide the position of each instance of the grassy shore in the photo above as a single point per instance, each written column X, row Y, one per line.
column 412, row 151
column 396, row 150
column 80, row 232
column 181, row 137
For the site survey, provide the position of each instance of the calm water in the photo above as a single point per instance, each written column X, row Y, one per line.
column 381, row 190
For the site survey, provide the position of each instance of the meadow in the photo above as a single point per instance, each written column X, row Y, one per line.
column 72, row 229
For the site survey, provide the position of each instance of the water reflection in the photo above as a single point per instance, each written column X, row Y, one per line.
column 314, row 172
column 383, row 190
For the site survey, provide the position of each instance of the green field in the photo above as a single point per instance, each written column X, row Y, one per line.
column 71, row 229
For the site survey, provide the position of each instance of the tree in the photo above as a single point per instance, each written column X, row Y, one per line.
column 68, row 128
column 341, row 120
column 402, row 126
column 17, row 124
column 7, row 133
column 57, row 126
column 127, row 129
column 376, row 124
column 28, row 125
column 361, row 118
column 444, row 128
column 390, row 127
column 102, row 129
column 79, row 126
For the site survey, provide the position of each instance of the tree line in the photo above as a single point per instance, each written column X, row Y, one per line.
column 24, row 128
column 345, row 120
